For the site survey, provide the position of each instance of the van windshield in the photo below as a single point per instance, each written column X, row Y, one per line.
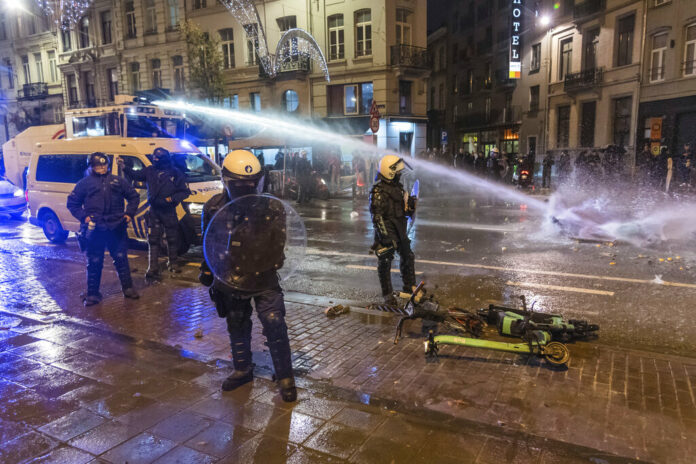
column 195, row 166
column 147, row 126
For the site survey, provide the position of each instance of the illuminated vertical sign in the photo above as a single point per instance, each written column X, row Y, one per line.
column 515, row 68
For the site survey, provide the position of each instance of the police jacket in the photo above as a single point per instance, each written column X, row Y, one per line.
column 102, row 197
column 389, row 207
column 248, row 247
column 168, row 182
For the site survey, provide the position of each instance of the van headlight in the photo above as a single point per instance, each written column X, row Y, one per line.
column 195, row 208
column 18, row 193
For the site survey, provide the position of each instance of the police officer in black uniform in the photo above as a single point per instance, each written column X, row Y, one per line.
column 166, row 188
column 97, row 202
column 241, row 173
column 389, row 206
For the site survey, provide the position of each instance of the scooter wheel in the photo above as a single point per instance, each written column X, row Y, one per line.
column 556, row 353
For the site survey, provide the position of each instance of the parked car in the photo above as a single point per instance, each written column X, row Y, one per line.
column 13, row 202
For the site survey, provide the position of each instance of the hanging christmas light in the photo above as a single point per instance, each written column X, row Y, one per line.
column 295, row 44
column 64, row 13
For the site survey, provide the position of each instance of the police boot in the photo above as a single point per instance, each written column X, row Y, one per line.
column 130, row 293
column 238, row 378
column 288, row 392
column 152, row 277
column 173, row 267
column 91, row 300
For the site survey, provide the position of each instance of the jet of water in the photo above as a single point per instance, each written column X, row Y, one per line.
column 297, row 130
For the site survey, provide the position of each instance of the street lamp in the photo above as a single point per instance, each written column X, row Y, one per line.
column 545, row 20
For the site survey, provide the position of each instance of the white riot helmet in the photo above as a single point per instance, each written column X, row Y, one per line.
column 241, row 173
column 390, row 166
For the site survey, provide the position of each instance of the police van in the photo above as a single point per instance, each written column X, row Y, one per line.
column 56, row 166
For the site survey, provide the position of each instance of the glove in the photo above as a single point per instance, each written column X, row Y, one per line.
column 411, row 203
column 206, row 278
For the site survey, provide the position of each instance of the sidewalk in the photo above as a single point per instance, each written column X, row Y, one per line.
column 75, row 394
column 638, row 405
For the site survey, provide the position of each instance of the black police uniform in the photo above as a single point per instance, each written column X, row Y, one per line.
column 303, row 170
column 233, row 297
column 389, row 211
column 163, row 181
column 101, row 197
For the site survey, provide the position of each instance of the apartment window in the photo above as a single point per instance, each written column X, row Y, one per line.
column 227, row 44
column 625, row 40
column 83, row 32
column 488, row 108
column 198, row 4
column 173, row 7
column 231, row 102
column 690, row 51
column 535, row 65
column 67, row 43
column 587, row 124
column 58, row 114
column 106, row 27
column 3, row 27
column 88, row 80
column 284, row 24
column 26, row 69
column 405, row 97
column 566, row 59
column 363, row 33
column 563, row 129
column 112, row 79
column 52, row 66
column 72, row 90
column 156, row 65
column 255, row 101
column 534, row 98
column 150, row 17
column 657, row 57
column 441, row 98
column 135, row 76
column 403, row 27
column 622, row 120
column 470, row 81
column 589, row 49
column 39, row 67
column 350, row 99
column 336, row 37
column 290, row 101
column 10, row 73
column 252, row 42
column 131, row 31
column 178, row 64
column 31, row 24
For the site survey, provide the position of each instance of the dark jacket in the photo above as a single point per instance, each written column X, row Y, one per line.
column 102, row 198
column 162, row 184
column 389, row 211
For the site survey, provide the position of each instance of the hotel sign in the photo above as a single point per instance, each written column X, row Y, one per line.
column 515, row 69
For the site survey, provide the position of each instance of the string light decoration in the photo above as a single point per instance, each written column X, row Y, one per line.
column 64, row 13
column 295, row 44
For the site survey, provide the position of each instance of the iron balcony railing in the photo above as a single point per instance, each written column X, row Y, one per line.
column 587, row 8
column 34, row 91
column 408, row 55
column 583, row 79
column 300, row 64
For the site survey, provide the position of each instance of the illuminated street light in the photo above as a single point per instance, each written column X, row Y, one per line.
column 545, row 20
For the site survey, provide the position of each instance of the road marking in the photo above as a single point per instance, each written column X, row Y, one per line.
column 194, row 264
column 521, row 270
column 372, row 268
column 558, row 287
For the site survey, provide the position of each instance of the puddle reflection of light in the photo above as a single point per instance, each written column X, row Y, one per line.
column 365, row 398
column 323, row 215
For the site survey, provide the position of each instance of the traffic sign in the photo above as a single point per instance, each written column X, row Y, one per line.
column 443, row 138
column 374, row 125
column 374, row 112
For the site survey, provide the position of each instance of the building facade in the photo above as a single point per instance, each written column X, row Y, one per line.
column 667, row 111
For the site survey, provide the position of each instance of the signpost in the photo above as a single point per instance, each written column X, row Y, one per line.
column 374, row 118
column 515, row 68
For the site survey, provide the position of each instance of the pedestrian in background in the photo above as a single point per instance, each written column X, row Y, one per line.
column 97, row 202
column 546, row 169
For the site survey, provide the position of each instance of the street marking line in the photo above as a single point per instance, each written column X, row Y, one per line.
column 559, row 287
column 194, row 264
column 372, row 268
column 528, row 271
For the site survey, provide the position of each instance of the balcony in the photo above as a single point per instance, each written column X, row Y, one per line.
column 34, row 91
column 407, row 55
column 587, row 8
column 300, row 64
column 583, row 80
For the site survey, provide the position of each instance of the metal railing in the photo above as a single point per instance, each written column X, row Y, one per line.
column 34, row 90
column 588, row 7
column 408, row 55
column 583, row 79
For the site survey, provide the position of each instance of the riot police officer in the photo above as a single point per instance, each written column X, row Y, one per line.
column 389, row 206
column 166, row 188
column 241, row 174
column 97, row 202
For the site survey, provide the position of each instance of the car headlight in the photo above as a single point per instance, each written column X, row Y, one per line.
column 18, row 193
column 195, row 208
